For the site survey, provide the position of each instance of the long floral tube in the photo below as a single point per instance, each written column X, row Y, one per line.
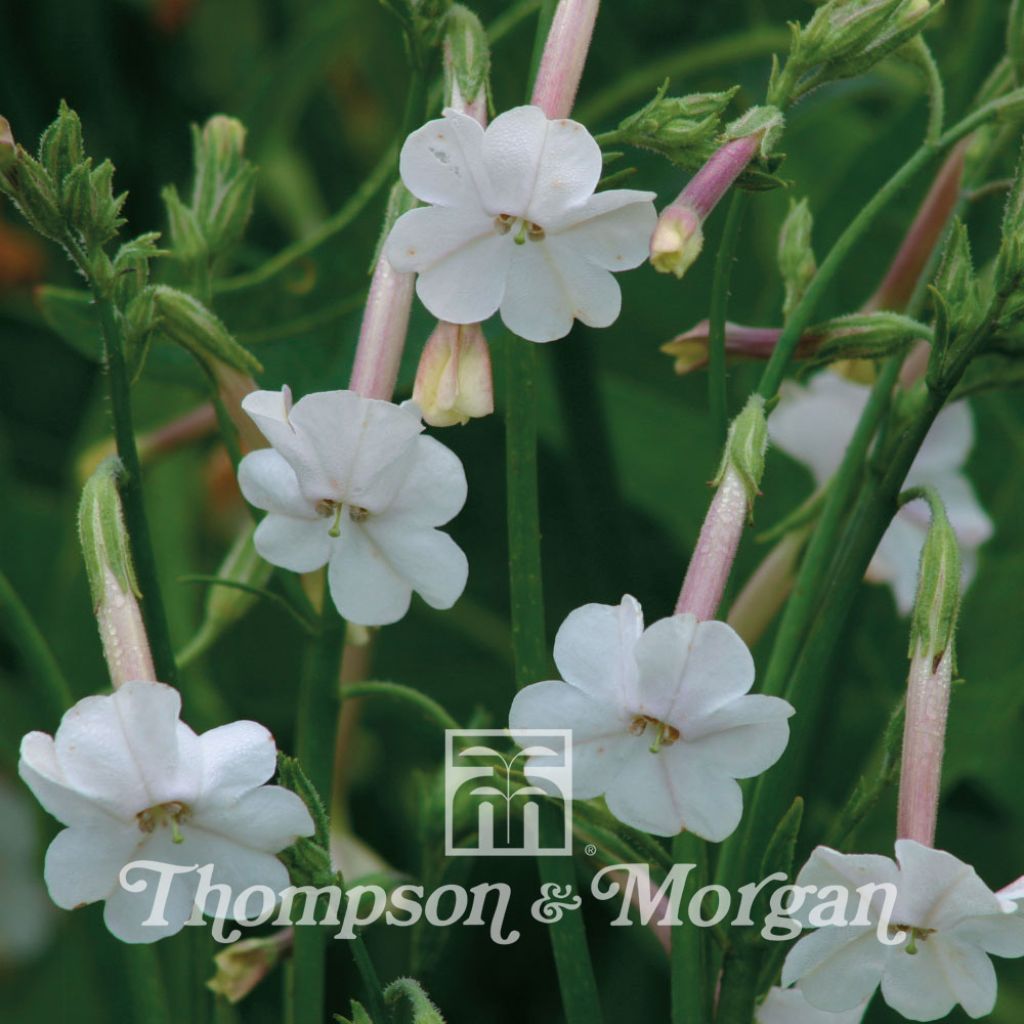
column 565, row 54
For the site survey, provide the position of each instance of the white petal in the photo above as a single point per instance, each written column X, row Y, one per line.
column 916, row 986
column 690, row 669
column 568, row 172
column 828, row 867
column 744, row 738
column 947, row 444
column 550, row 283
column 38, row 767
column 789, row 1006
column 433, row 488
column 441, row 162
column 427, row 559
column 595, row 651
column 130, row 748
column 236, row 758
column 998, row 934
column 600, row 737
column 298, row 545
column 270, row 411
column 612, row 229
column 512, row 152
column 836, row 968
column 269, row 818
column 969, row 974
column 814, row 424
column 267, row 480
column 82, row 863
column 425, row 237
column 364, row 586
column 235, row 863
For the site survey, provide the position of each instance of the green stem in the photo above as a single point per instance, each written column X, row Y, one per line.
column 689, row 957
column 30, row 643
column 739, row 988
column 146, row 985
column 724, row 260
column 433, row 711
column 130, row 483
column 801, row 316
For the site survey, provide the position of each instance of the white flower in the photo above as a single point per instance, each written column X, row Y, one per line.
column 788, row 1006
column 27, row 919
column 133, row 782
column 351, row 484
column 814, row 424
column 662, row 723
column 951, row 920
column 514, row 223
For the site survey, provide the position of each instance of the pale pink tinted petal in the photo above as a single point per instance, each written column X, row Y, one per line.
column 567, row 174
column 836, row 968
column 299, row 545
column 433, row 488
column 594, row 651
column 364, row 585
column 512, row 152
column 268, row 481
column 916, row 986
column 236, row 757
column 268, row 818
column 441, row 162
column 467, row 285
column 612, row 229
column 600, row 737
column 427, row 559
column 39, row 769
column 82, row 863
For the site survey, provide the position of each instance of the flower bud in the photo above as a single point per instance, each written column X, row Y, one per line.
column 60, row 148
column 225, row 182
column 8, row 147
column 677, row 240
column 187, row 322
column 108, row 563
column 226, row 604
column 745, row 447
column 243, row 965
column 453, row 381
column 467, row 63
column 796, row 255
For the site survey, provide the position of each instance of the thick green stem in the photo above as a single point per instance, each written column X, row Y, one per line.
column 146, row 986
column 26, row 637
column 130, row 486
column 689, row 957
column 724, row 259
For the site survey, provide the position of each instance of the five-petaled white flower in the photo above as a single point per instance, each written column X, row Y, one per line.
column 133, row 782
column 949, row 920
column 350, row 483
column 514, row 223
column 814, row 424
column 788, row 1006
column 662, row 722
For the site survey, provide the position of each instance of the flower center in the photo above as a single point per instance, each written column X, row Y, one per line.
column 170, row 814
column 913, row 934
column 525, row 229
column 328, row 508
column 664, row 734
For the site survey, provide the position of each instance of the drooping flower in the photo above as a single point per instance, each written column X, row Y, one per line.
column 514, row 223
column 350, row 483
column 27, row 921
column 944, row 925
column 453, row 380
column 132, row 782
column 814, row 424
column 788, row 1006
column 662, row 720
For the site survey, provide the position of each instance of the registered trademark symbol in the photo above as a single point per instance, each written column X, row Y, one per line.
column 590, row 849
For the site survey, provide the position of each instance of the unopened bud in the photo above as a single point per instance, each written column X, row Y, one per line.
column 467, row 62
column 677, row 241
column 60, row 148
column 453, row 381
column 421, row 1009
column 745, row 447
column 225, row 181
column 108, row 564
column 243, row 965
column 8, row 147
column 187, row 322
column 796, row 255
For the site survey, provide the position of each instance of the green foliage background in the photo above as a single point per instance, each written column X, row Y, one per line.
column 627, row 446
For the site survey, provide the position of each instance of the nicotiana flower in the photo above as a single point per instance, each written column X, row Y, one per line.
column 27, row 919
column 133, row 782
column 350, row 483
column 514, row 223
column 788, row 1006
column 944, row 925
column 814, row 424
column 662, row 722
